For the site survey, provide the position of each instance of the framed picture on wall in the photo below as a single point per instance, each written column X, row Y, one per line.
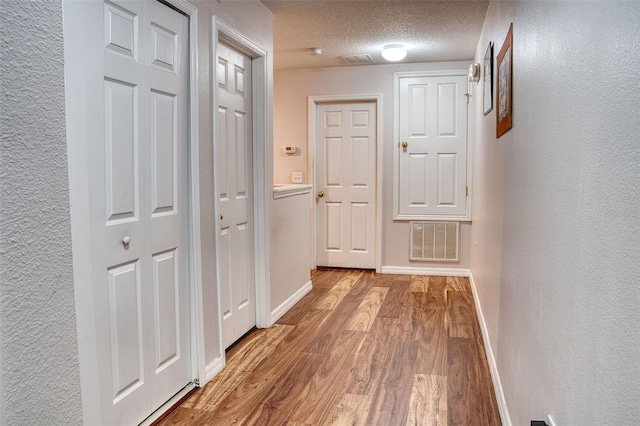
column 487, row 82
column 505, row 95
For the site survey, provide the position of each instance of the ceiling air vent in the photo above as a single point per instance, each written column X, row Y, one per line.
column 358, row 59
column 434, row 241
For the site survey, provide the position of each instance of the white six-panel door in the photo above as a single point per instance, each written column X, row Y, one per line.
column 235, row 199
column 432, row 146
column 137, row 167
column 346, row 179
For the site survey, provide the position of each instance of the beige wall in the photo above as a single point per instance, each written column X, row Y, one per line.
column 291, row 90
column 556, row 231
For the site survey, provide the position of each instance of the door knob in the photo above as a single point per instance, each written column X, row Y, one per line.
column 126, row 240
column 320, row 194
column 404, row 144
column 221, row 216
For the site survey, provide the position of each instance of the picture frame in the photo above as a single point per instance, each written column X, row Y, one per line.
column 504, row 90
column 487, row 82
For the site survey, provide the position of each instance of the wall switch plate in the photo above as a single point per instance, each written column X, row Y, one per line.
column 296, row 177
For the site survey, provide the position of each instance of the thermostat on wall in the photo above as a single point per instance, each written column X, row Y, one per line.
column 290, row 150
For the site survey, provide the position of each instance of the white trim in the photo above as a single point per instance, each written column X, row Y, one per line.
column 289, row 190
column 75, row 15
column 214, row 368
column 493, row 367
column 198, row 356
column 292, row 300
column 198, row 359
column 184, row 6
column 417, row 270
column 312, row 103
column 397, row 76
column 470, row 139
column 262, row 154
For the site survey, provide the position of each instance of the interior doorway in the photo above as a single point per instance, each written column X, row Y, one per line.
column 345, row 162
column 253, row 192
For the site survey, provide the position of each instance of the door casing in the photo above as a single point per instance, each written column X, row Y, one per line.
column 312, row 103
column 262, row 166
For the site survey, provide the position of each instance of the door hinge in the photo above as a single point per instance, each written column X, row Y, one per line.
column 195, row 383
column 467, row 190
column 467, row 95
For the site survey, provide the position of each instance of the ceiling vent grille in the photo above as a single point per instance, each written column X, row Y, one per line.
column 434, row 241
column 358, row 59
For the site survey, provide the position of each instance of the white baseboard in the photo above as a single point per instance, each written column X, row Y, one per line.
column 493, row 367
column 419, row 270
column 287, row 304
column 213, row 369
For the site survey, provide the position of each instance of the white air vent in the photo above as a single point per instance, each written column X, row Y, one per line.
column 435, row 241
column 358, row 59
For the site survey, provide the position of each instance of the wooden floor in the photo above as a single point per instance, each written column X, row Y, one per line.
column 359, row 349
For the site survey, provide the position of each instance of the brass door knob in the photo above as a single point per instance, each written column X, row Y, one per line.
column 320, row 194
column 221, row 216
column 404, row 144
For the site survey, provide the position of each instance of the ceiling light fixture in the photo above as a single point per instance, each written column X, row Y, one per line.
column 315, row 51
column 394, row 52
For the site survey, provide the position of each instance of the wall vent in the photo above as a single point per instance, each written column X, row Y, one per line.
column 434, row 241
column 358, row 59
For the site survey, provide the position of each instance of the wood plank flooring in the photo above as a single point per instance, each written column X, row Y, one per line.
column 359, row 349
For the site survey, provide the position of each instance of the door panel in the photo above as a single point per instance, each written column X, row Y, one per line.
column 432, row 167
column 164, row 148
column 234, row 151
column 333, row 168
column 126, row 329
column 360, row 225
column 166, row 299
column 121, row 150
column 447, row 175
column 346, row 173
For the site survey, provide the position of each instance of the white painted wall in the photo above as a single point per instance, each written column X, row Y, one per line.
column 556, row 222
column 290, row 247
column 39, row 373
column 255, row 21
column 291, row 89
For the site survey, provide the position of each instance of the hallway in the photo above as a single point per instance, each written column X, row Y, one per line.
column 360, row 348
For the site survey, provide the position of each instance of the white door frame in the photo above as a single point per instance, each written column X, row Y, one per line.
column 80, row 208
column 262, row 175
column 312, row 103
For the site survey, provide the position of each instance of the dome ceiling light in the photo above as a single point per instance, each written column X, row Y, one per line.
column 394, row 52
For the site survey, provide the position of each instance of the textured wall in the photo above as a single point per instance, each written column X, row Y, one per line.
column 291, row 89
column 557, row 224
column 40, row 375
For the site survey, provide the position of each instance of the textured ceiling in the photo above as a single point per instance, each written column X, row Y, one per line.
column 433, row 31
